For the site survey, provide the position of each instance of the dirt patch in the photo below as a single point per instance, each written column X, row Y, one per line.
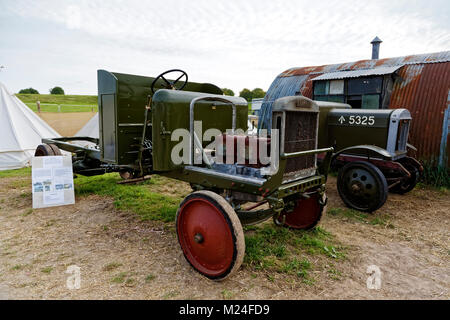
column 66, row 124
column 122, row 257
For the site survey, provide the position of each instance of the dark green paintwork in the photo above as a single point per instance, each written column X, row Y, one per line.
column 123, row 101
column 367, row 151
column 123, row 118
column 170, row 111
column 274, row 186
column 369, row 127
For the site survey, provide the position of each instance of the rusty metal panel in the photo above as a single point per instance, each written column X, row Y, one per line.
column 423, row 90
column 444, row 157
column 307, row 89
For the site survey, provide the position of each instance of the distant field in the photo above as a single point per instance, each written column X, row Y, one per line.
column 68, row 103
column 66, row 123
column 57, row 98
column 65, row 108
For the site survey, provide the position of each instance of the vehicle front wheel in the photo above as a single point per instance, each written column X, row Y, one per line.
column 210, row 235
column 362, row 186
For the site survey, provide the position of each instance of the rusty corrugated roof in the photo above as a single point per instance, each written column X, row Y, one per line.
column 358, row 73
column 423, row 87
column 370, row 64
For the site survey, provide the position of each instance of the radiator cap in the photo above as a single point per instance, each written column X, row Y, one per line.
column 295, row 103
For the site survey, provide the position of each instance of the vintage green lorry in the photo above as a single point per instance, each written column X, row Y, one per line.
column 370, row 151
column 141, row 119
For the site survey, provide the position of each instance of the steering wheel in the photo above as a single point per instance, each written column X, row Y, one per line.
column 168, row 84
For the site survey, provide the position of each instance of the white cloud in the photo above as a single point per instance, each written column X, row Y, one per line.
column 73, row 17
column 231, row 43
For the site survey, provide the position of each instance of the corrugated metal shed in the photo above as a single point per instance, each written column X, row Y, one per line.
column 358, row 73
column 422, row 87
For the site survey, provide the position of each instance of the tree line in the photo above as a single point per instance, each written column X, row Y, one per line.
column 246, row 93
column 54, row 90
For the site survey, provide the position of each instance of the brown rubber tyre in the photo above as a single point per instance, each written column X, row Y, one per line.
column 44, row 150
column 210, row 235
column 56, row 151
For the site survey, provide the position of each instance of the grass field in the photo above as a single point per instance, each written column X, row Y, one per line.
column 123, row 238
column 68, row 103
column 64, row 108
column 58, row 99
column 269, row 248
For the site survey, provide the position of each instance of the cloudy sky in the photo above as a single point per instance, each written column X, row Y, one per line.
column 234, row 44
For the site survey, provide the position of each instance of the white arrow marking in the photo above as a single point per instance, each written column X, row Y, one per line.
column 341, row 119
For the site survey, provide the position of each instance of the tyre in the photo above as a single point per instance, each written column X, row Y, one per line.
column 304, row 215
column 44, row 150
column 362, row 186
column 210, row 235
column 408, row 184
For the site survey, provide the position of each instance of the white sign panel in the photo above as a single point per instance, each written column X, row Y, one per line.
column 52, row 181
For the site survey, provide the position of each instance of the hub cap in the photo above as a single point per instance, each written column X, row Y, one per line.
column 205, row 237
column 360, row 186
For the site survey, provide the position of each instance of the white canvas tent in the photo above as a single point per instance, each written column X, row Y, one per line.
column 21, row 131
column 90, row 129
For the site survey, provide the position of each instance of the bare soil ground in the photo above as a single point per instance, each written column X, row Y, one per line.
column 123, row 257
column 66, row 124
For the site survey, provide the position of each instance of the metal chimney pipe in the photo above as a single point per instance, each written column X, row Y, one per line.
column 376, row 48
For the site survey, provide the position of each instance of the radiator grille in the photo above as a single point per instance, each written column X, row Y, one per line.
column 300, row 135
column 402, row 135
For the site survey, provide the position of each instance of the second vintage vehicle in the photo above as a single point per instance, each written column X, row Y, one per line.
column 141, row 121
column 370, row 152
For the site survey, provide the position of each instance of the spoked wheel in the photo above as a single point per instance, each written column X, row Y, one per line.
column 44, row 150
column 210, row 235
column 362, row 186
column 304, row 215
column 408, row 184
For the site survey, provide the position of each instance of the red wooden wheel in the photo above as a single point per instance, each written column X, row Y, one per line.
column 210, row 235
column 305, row 215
